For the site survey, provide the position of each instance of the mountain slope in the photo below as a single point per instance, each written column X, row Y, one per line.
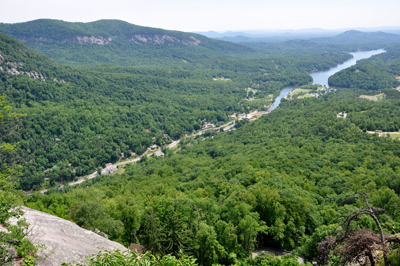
column 117, row 42
column 378, row 72
column 290, row 170
column 90, row 117
column 82, row 118
column 17, row 59
column 358, row 37
column 347, row 41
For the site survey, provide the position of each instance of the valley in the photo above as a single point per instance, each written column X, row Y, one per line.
column 207, row 148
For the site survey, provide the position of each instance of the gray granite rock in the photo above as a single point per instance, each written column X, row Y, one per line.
column 64, row 240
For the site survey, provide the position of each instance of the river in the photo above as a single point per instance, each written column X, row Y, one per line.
column 321, row 77
column 284, row 92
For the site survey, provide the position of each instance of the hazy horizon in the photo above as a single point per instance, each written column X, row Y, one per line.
column 211, row 15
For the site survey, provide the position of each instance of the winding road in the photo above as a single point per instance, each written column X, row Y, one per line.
column 171, row 145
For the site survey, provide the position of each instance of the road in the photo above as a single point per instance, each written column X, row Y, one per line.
column 94, row 174
column 171, row 145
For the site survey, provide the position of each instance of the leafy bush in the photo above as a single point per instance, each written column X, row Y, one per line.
column 128, row 258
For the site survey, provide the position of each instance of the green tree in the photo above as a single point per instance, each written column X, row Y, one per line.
column 176, row 234
column 15, row 234
column 152, row 233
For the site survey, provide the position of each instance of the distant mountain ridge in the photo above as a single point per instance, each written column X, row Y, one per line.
column 354, row 36
column 280, row 35
column 99, row 32
column 116, row 42
column 348, row 41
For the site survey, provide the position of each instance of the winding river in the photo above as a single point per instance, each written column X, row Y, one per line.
column 321, row 77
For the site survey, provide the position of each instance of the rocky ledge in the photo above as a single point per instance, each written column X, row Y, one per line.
column 64, row 240
column 91, row 39
column 137, row 38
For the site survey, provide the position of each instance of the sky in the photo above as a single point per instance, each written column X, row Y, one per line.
column 217, row 15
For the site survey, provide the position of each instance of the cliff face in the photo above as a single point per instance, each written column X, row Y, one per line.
column 162, row 38
column 100, row 32
column 64, row 240
column 136, row 38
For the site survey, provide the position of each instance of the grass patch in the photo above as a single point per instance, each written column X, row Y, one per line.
column 395, row 135
column 305, row 96
column 298, row 91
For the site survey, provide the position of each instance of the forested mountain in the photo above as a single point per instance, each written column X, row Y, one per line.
column 116, row 42
column 279, row 181
column 358, row 37
column 82, row 118
column 349, row 41
column 378, row 72
column 286, row 35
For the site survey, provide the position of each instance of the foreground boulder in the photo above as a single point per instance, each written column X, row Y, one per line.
column 64, row 240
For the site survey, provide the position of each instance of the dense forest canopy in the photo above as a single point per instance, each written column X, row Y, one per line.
column 378, row 72
column 279, row 181
column 82, row 118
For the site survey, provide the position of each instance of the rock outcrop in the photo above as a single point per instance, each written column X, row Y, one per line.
column 79, row 39
column 64, row 240
column 137, row 38
column 161, row 39
column 14, row 71
column 91, row 39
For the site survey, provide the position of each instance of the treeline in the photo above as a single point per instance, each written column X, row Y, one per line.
column 277, row 182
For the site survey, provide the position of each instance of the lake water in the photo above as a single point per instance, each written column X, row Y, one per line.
column 284, row 92
column 321, row 77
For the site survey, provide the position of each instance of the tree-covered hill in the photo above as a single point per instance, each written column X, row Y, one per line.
column 349, row 41
column 359, row 37
column 279, row 181
column 116, row 42
column 376, row 73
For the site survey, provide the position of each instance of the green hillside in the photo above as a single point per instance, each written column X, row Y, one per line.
column 82, row 118
column 117, row 42
column 376, row 73
column 358, row 37
column 277, row 182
